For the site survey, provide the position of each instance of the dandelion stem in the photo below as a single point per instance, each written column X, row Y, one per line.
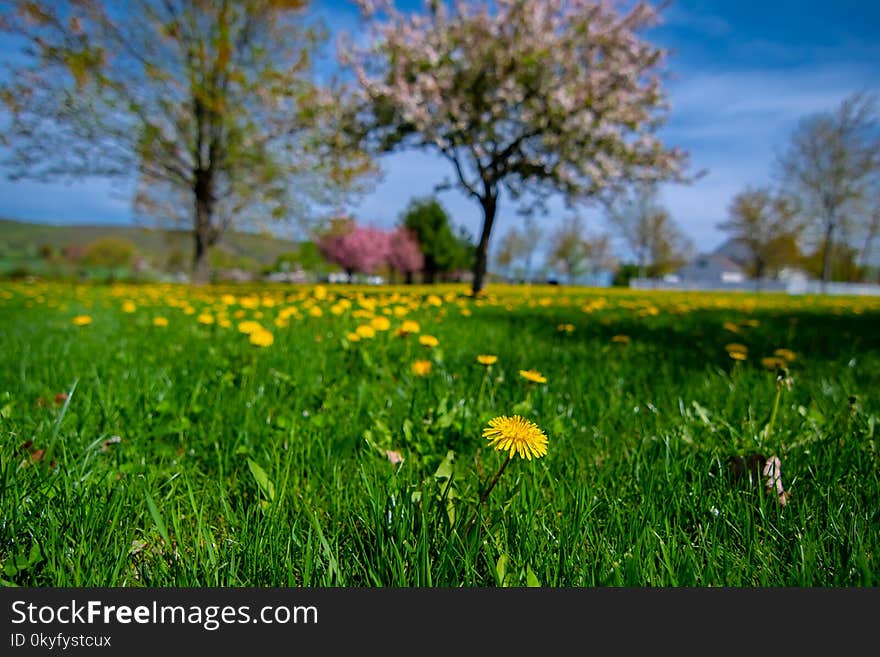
column 483, row 384
column 488, row 490
column 769, row 428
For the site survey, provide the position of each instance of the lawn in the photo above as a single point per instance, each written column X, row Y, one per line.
column 166, row 435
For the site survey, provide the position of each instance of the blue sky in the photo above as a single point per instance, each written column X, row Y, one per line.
column 743, row 74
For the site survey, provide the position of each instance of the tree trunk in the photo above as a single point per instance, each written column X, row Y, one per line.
column 201, row 273
column 759, row 273
column 409, row 278
column 489, row 208
column 826, row 255
column 869, row 242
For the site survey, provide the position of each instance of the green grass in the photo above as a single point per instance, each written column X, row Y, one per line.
column 185, row 456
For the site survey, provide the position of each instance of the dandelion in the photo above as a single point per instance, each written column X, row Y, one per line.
column 380, row 323
column 773, row 362
column 262, row 338
column 786, row 354
column 205, row 318
column 160, row 321
column 353, row 337
column 428, row 340
column 129, row 307
column 533, row 375
column 408, row 327
column 82, row 320
column 487, row 359
column 421, row 367
column 737, row 351
column 565, row 328
column 248, row 327
column 516, row 435
column 365, row 331
column 315, row 311
column 622, row 339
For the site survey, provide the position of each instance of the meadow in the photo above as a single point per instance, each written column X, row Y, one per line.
column 167, row 435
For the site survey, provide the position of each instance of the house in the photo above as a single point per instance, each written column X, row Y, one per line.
column 709, row 270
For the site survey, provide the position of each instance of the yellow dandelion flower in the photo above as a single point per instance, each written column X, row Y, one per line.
column 315, row 311
column 434, row 300
column 516, row 435
column 737, row 355
column 786, row 354
column 466, row 312
column 622, row 339
column 565, row 328
column 129, row 307
column 421, row 367
column 320, row 292
column 736, row 348
column 730, row 326
column 487, row 359
column 409, row 326
column 249, row 327
column 773, row 362
column 380, row 323
column 428, row 340
column 353, row 337
column 160, row 321
column 533, row 375
column 365, row 331
column 205, row 318
column 262, row 338
column 82, row 320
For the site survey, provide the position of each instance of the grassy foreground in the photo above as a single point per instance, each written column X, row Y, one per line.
column 312, row 436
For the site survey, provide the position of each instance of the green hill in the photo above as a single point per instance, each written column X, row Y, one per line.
column 22, row 241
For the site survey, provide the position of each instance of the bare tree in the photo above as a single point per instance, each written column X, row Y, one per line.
column 569, row 249
column 511, row 252
column 575, row 250
column 828, row 167
column 648, row 230
column 763, row 222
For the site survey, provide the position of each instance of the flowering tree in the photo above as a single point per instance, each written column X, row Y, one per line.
column 356, row 248
column 532, row 96
column 405, row 254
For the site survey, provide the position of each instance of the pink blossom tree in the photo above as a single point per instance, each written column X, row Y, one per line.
column 405, row 254
column 530, row 96
column 356, row 248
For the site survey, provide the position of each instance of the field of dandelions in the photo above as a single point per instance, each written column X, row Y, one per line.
column 167, row 435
